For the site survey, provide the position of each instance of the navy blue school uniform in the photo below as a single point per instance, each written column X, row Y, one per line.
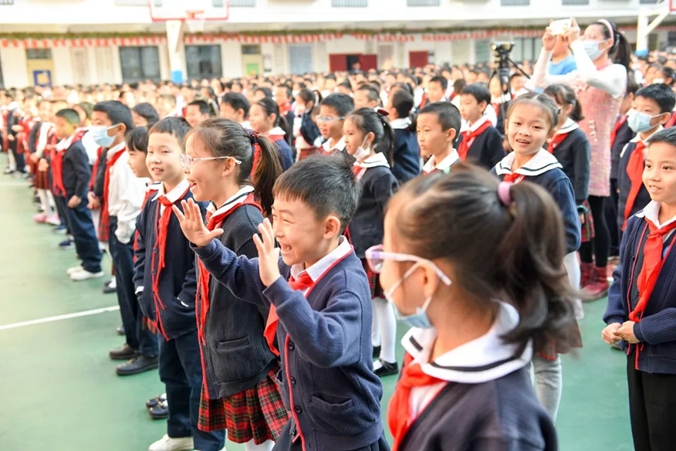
column 621, row 136
column 544, row 170
column 308, row 129
column 327, row 378
column 406, row 158
column 486, row 149
column 624, row 185
column 651, row 366
column 170, row 303
column 285, row 153
column 76, row 174
column 573, row 154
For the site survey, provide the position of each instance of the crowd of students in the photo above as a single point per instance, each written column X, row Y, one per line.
column 267, row 234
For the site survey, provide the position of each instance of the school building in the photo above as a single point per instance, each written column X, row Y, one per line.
column 94, row 41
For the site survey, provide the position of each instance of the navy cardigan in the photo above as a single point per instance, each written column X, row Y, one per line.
column 657, row 329
column 486, row 150
column 406, row 158
column 573, row 154
column 285, row 154
column 624, row 185
column 178, row 284
column 327, row 380
column 622, row 138
column 76, row 171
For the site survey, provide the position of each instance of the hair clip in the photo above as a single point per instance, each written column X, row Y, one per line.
column 504, row 193
column 381, row 111
column 253, row 137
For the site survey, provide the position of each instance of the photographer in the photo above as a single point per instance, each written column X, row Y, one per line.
column 602, row 56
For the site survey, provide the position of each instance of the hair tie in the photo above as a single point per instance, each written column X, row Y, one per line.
column 504, row 193
column 253, row 137
column 381, row 111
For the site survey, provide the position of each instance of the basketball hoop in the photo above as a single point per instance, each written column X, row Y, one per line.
column 195, row 21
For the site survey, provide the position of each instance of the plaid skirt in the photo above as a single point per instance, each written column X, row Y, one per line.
column 104, row 225
column 374, row 281
column 40, row 178
column 587, row 231
column 256, row 413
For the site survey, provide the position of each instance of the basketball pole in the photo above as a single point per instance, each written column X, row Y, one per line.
column 175, row 30
column 646, row 26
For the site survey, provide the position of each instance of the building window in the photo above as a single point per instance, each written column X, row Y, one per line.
column 203, row 61
column 482, row 51
column 514, row 2
column 6, row 2
column 235, row 3
column 574, row 2
column 349, row 3
column 253, row 49
column 39, row 54
column 526, row 49
column 649, row 2
column 139, row 63
column 423, row 2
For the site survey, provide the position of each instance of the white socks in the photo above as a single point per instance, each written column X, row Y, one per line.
column 44, row 202
column 386, row 323
column 266, row 446
column 573, row 269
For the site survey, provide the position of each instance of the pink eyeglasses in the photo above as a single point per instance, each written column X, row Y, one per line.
column 375, row 256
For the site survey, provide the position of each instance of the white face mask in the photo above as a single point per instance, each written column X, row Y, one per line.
column 657, row 81
column 362, row 152
column 592, row 49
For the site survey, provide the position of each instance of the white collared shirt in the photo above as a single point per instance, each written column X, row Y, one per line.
column 444, row 164
column 126, row 193
column 373, row 161
column 637, row 139
column 339, row 146
column 567, row 127
column 481, row 360
column 541, row 162
column 401, row 123
column 318, row 269
column 651, row 212
column 173, row 196
column 239, row 197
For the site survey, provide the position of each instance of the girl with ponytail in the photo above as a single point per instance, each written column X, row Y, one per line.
column 238, row 366
column 266, row 119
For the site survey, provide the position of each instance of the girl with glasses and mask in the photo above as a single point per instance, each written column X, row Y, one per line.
column 482, row 294
column 602, row 55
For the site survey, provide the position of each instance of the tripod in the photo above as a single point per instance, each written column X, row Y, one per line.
column 503, row 62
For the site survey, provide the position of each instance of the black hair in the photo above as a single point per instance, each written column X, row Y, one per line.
column 373, row 93
column 545, row 102
column 211, row 94
column 447, row 114
column 310, row 96
column 203, row 106
column 176, row 126
column 86, row 107
column 342, row 103
column 459, row 85
column 224, row 137
column 288, row 90
column 326, row 184
column 479, row 91
column 147, row 112
column 441, row 80
column 346, row 84
column 267, row 92
column 237, row 101
column 376, row 84
column 69, row 115
column 564, row 96
column 662, row 94
column 402, row 85
column 621, row 49
column 137, row 139
column 403, row 102
column 117, row 112
column 270, row 107
column 519, row 257
column 367, row 120
column 667, row 136
column 668, row 73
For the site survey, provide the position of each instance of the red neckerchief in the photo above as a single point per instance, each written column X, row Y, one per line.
column 305, row 282
column 160, row 246
column 620, row 122
column 399, row 413
column 556, row 140
column 105, row 215
column 672, row 121
column 57, row 165
column 468, row 138
column 635, row 167
column 513, row 177
column 285, row 108
column 423, row 101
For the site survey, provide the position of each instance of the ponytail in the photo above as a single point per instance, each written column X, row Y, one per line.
column 387, row 143
column 621, row 49
column 270, row 107
column 373, row 121
column 267, row 169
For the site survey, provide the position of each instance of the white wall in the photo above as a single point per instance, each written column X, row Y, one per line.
column 231, row 58
column 14, row 72
column 63, row 66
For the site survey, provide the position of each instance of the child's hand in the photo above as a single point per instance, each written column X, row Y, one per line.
column 43, row 165
column 609, row 334
column 572, row 34
column 548, row 40
column 268, row 254
column 74, row 202
column 626, row 332
column 93, row 202
column 192, row 225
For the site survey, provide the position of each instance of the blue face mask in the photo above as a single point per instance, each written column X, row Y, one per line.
column 639, row 122
column 419, row 319
column 592, row 49
column 100, row 136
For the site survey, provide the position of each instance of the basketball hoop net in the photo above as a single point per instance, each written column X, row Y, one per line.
column 195, row 21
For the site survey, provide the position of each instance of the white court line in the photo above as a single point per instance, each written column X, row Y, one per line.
column 52, row 319
column 15, row 183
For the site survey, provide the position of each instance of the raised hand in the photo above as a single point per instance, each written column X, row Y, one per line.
column 192, row 224
column 268, row 253
column 572, row 34
column 548, row 40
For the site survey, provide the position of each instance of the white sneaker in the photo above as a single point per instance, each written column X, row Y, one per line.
column 84, row 275
column 74, row 269
column 167, row 443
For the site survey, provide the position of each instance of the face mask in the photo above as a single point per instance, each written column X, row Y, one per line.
column 639, row 122
column 100, row 136
column 592, row 49
column 362, row 152
column 419, row 319
column 657, row 81
column 294, row 93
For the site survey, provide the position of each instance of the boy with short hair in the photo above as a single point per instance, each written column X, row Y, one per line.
column 123, row 195
column 197, row 112
column 235, row 106
column 366, row 96
column 166, row 286
column 71, row 172
column 284, row 100
column 406, row 158
column 481, row 143
column 438, row 126
column 332, row 112
column 642, row 301
column 436, row 89
column 320, row 304
column 652, row 108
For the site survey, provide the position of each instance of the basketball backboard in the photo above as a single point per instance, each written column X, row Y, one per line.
column 189, row 10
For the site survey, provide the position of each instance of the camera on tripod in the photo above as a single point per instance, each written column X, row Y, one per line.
column 501, row 51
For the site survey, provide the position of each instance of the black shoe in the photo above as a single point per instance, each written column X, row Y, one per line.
column 107, row 289
column 387, row 369
column 138, row 364
column 119, row 330
column 126, row 352
column 156, row 400
column 376, row 352
column 159, row 412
